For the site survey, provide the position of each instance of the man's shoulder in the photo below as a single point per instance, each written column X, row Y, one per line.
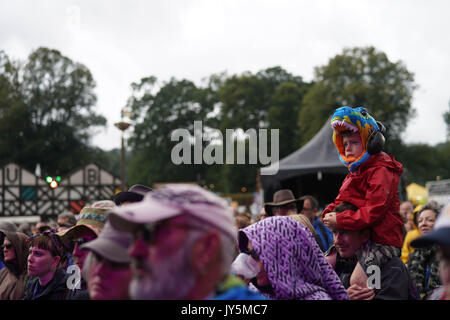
column 394, row 262
column 3, row 273
column 394, row 270
column 396, row 282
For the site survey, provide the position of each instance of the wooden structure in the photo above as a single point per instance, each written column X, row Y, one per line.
column 25, row 194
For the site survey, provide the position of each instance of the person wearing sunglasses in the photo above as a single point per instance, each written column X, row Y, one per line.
column 183, row 247
column 6, row 226
column 89, row 225
column 47, row 279
column 13, row 254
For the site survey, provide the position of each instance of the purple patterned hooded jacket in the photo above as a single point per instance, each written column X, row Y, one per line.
column 295, row 265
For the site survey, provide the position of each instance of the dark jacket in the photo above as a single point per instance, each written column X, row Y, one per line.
column 373, row 188
column 56, row 289
column 79, row 294
column 423, row 266
column 395, row 283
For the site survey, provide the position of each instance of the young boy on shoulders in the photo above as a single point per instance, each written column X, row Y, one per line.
column 371, row 186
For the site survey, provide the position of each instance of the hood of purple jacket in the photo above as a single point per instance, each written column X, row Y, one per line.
column 295, row 265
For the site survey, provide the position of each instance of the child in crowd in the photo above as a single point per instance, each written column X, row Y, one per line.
column 371, row 186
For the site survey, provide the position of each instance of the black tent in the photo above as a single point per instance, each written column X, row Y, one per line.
column 314, row 169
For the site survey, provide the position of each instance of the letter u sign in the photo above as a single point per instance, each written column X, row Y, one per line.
column 16, row 175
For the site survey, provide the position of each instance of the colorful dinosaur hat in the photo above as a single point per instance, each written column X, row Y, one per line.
column 356, row 120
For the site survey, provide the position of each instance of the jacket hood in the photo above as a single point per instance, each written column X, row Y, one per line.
column 414, row 214
column 20, row 244
column 295, row 265
column 385, row 160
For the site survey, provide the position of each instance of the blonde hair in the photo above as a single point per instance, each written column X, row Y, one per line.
column 242, row 221
column 304, row 221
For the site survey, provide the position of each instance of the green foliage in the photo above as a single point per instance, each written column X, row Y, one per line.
column 268, row 99
column 446, row 116
column 283, row 115
column 443, row 155
column 359, row 77
column 244, row 104
column 421, row 162
column 46, row 112
column 177, row 104
column 47, row 116
column 425, row 166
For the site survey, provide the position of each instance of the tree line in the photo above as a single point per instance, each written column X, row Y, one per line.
column 47, row 115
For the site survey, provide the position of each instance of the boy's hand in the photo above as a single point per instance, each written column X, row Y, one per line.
column 356, row 292
column 330, row 220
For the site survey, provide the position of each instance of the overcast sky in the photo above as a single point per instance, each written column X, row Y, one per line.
column 123, row 41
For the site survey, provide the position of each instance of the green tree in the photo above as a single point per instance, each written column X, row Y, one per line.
column 243, row 103
column 446, row 116
column 422, row 163
column 266, row 99
column 270, row 99
column 156, row 113
column 47, row 113
column 14, row 115
column 443, row 151
column 359, row 77
column 283, row 115
column 246, row 98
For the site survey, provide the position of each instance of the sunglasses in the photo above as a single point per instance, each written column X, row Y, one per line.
column 7, row 246
column 79, row 242
column 149, row 231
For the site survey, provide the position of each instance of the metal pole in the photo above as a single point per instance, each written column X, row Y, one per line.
column 122, row 163
column 122, row 125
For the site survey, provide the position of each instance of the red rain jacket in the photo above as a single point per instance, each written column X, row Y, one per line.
column 373, row 188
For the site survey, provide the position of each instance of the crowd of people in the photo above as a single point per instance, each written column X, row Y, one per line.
column 184, row 242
